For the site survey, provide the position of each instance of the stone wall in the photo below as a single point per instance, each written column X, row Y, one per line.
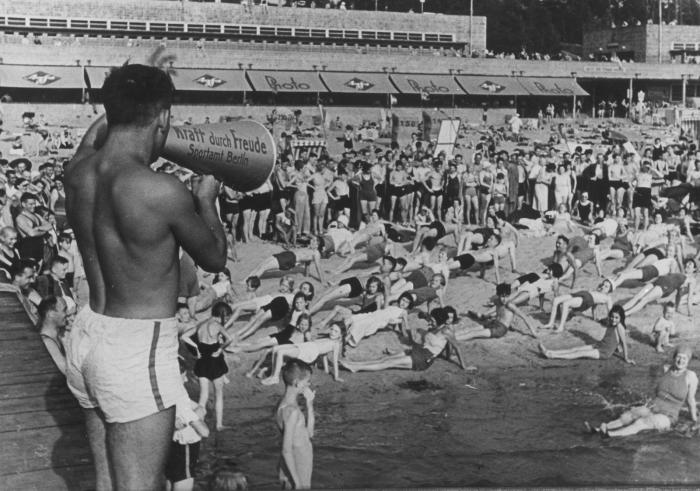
column 234, row 14
column 110, row 52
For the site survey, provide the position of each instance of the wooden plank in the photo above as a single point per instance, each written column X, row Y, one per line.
column 73, row 478
column 38, row 403
column 44, row 445
column 41, row 419
column 46, row 374
column 55, row 386
column 44, row 448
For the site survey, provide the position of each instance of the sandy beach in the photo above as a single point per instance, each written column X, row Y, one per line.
column 513, row 418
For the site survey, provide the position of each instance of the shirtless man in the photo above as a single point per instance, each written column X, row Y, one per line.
column 129, row 223
column 498, row 321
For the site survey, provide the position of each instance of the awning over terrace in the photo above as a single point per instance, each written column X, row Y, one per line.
column 409, row 83
column 358, row 83
column 285, row 81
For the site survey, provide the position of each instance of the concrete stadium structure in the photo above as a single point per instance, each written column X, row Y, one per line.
column 48, row 37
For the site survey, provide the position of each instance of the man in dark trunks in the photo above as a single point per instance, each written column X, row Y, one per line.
column 129, row 223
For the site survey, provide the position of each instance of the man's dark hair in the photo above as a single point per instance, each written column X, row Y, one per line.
column 135, row 94
column 46, row 305
column 58, row 260
column 564, row 238
column 503, row 289
column 23, row 265
column 27, row 196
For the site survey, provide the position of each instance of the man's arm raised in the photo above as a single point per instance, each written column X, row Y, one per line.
column 195, row 223
column 93, row 139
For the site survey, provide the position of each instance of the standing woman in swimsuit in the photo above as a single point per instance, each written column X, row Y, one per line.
column 452, row 189
column 615, row 336
column 299, row 179
column 486, row 179
column 663, row 286
column 320, row 200
column 211, row 365
column 470, row 183
column 367, row 189
column 401, row 189
column 339, row 193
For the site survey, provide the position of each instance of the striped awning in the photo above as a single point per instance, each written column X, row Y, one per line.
column 285, row 81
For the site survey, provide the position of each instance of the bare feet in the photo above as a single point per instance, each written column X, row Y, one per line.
column 348, row 365
column 543, row 350
column 222, row 427
column 270, row 381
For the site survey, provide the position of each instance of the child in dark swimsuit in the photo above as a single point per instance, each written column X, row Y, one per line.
column 211, row 366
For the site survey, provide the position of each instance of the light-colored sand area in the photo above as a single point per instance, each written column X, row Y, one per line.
column 502, row 368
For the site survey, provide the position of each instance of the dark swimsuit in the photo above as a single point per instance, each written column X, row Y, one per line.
column 278, row 308
column 670, row 283
column 355, row 286
column 286, row 260
column 422, row 295
column 607, row 346
column 439, row 227
column 208, row 366
column 465, row 261
column 587, row 301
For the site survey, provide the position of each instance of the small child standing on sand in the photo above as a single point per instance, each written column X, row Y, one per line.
column 664, row 328
column 296, row 463
column 184, row 450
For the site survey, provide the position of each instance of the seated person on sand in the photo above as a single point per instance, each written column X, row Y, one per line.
column 562, row 222
column 308, row 352
column 336, row 239
column 220, row 289
column 664, row 328
column 372, row 254
column 576, row 302
column 676, row 388
column 660, row 267
column 254, row 304
column 491, row 254
column 497, row 321
column 286, row 226
column 682, row 285
column 531, row 286
column 565, row 258
column 373, row 228
column 370, row 298
column 360, row 326
column 292, row 332
column 277, row 309
column 655, row 235
column 614, row 338
column 441, row 266
column 419, row 356
column 438, row 230
column 52, row 328
column 287, row 260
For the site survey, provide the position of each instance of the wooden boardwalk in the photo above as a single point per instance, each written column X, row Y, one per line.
column 43, row 445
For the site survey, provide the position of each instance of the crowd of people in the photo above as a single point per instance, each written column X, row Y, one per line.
column 418, row 224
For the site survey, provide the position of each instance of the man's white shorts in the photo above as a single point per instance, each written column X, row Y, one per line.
column 126, row 367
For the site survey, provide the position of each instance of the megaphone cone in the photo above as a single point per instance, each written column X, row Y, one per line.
column 242, row 153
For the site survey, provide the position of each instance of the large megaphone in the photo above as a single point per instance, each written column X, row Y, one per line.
column 242, row 153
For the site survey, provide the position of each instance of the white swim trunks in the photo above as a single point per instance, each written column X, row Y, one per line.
column 126, row 367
